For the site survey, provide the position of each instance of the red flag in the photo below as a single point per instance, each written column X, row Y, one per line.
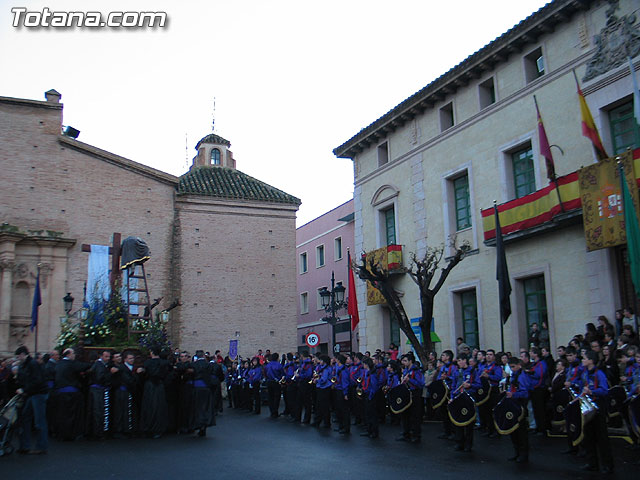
column 545, row 148
column 352, row 307
column 589, row 128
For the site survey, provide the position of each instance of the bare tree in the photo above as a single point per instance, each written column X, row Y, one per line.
column 422, row 272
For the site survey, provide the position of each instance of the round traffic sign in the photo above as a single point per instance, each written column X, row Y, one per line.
column 336, row 348
column 312, row 339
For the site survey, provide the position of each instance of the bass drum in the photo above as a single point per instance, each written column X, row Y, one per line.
column 438, row 393
column 399, row 399
column 484, row 392
column 462, row 410
column 560, row 400
column 507, row 415
column 617, row 396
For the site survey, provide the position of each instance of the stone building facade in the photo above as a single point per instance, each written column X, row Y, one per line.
column 425, row 170
column 218, row 237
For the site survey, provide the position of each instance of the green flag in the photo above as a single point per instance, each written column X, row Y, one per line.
column 633, row 233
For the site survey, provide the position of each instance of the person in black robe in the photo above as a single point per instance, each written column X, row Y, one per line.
column 50, row 378
column 203, row 413
column 185, row 393
column 69, row 415
column 172, row 392
column 154, row 410
column 217, row 376
column 99, row 397
column 124, row 383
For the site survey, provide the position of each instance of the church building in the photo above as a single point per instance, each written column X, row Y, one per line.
column 222, row 242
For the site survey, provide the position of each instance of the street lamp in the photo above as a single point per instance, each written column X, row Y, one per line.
column 332, row 301
column 68, row 303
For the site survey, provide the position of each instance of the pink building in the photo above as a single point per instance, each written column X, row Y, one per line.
column 321, row 248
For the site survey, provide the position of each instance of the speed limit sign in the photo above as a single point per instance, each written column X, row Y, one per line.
column 312, row 339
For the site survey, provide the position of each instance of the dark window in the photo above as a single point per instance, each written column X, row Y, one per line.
column 215, row 157
column 463, row 205
column 624, row 131
column 534, row 65
column 524, row 179
column 390, row 226
column 535, row 301
column 487, row 93
column 469, row 308
column 383, row 154
column 446, row 117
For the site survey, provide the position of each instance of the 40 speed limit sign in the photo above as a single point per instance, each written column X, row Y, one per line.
column 312, row 339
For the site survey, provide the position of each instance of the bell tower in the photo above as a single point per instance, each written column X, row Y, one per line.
column 213, row 150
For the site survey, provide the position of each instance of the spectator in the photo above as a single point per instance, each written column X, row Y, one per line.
column 461, row 346
column 33, row 386
column 544, row 335
column 534, row 335
column 603, row 327
column 619, row 317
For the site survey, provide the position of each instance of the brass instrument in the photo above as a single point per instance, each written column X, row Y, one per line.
column 295, row 374
column 314, row 378
column 359, row 390
column 283, row 380
column 334, row 380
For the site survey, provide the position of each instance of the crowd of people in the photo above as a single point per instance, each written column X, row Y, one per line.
column 175, row 392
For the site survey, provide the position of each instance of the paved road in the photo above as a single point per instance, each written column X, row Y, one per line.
column 246, row 446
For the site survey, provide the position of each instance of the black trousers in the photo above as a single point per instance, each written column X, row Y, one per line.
column 303, row 402
column 539, row 403
column 464, row 435
column 342, row 411
column 273, row 389
column 355, row 404
column 443, row 413
column 290, row 399
column 486, row 411
column 520, row 438
column 412, row 416
column 596, row 441
column 371, row 416
column 254, row 398
column 323, row 412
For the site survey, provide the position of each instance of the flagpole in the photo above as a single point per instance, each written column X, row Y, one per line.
column 35, row 349
column 495, row 209
column 547, row 148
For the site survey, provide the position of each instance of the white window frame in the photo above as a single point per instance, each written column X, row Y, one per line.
column 508, row 190
column 319, row 299
column 385, row 197
column 304, row 303
column 449, row 207
column 324, row 256
column 337, row 242
column 303, row 270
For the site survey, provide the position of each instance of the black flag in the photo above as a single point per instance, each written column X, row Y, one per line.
column 502, row 273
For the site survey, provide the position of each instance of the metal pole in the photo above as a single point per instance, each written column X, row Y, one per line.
column 333, row 313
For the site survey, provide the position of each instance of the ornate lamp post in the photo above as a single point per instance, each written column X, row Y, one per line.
column 333, row 301
column 67, row 301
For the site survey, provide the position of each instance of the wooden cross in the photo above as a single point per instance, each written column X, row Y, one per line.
column 114, row 251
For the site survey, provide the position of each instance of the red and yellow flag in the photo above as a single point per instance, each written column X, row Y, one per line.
column 545, row 148
column 589, row 128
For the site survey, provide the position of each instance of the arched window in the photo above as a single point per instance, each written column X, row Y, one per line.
column 215, row 157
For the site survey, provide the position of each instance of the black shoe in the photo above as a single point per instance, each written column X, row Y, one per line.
column 373, row 435
column 458, row 448
column 467, row 449
column 569, row 451
column 589, row 468
column 315, row 424
column 443, row 436
column 451, row 437
column 23, row 451
column 344, row 432
column 492, row 435
column 582, row 453
column 522, row 459
column 202, row 432
column 607, row 470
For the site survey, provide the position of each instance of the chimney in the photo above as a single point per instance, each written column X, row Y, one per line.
column 52, row 96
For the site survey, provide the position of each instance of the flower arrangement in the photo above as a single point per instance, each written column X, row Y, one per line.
column 155, row 336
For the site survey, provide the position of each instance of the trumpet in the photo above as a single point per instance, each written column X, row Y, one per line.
column 314, row 378
column 334, row 380
column 295, row 374
column 359, row 390
column 283, row 380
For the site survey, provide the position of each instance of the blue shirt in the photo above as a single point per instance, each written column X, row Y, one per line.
column 274, row 371
column 538, row 375
column 306, row 371
column 416, row 378
column 342, row 379
column 324, row 378
column 519, row 386
column 494, row 371
column 255, row 375
column 370, row 384
column 447, row 373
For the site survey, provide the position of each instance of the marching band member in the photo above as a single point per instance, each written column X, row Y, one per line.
column 355, row 377
column 380, row 371
column 573, row 382
column 464, row 381
column 303, row 401
column 323, row 392
column 290, row 387
column 519, row 390
column 342, row 395
column 539, row 379
column 370, row 387
column 412, row 417
column 254, row 377
column 492, row 372
column 274, row 373
column 596, row 439
column 446, row 373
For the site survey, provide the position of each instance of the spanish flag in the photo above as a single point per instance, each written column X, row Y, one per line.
column 545, row 148
column 589, row 128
